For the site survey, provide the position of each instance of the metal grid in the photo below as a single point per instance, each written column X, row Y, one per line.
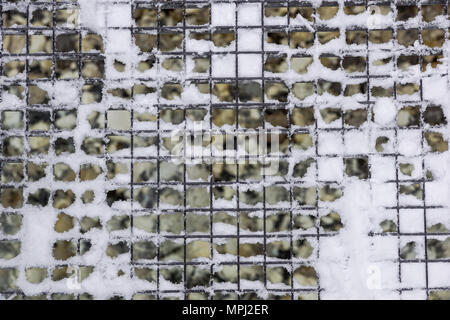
column 294, row 206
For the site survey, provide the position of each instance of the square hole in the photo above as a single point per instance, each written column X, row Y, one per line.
column 380, row 36
column 145, row 17
column 67, row 69
column 119, row 119
column 12, row 120
column 412, row 248
column 198, row 197
column 198, row 172
column 67, row 17
column 407, row 37
column 92, row 93
column 64, row 146
column 430, row 12
column 67, row 43
column 222, row 39
column 14, row 18
column 383, row 141
column 94, row 68
column 172, row 223
column 224, row 197
column 66, row 119
column 197, row 223
column 12, row 172
column 117, row 143
column 275, row 14
column 14, row 68
column 225, row 276
column 251, row 197
column 278, row 222
column 198, row 64
column 170, row 42
column 39, row 145
column 277, row 196
column 42, row 18
column 410, row 168
column 197, row 16
column 40, row 69
column 38, row 120
column 14, row 43
column 223, row 171
column 411, row 193
column 169, row 171
column 170, row 17
column 382, row 63
column 145, row 171
column 92, row 43
column 224, row 223
column 13, row 146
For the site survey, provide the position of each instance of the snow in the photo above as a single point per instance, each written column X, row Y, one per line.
column 438, row 275
column 411, row 221
column 435, row 192
column 413, row 275
column 116, row 39
column 119, row 16
column 330, row 143
column 357, row 142
column 250, row 65
column 224, row 66
column 382, row 169
column 92, row 13
column 384, row 194
column 435, row 88
column 249, row 14
column 409, row 143
column 351, row 264
column 385, row 111
column 223, row 14
column 331, row 169
column 249, row 39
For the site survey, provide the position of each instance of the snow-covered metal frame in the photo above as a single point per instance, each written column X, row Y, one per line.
column 373, row 221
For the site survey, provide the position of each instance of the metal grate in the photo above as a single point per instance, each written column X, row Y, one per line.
column 126, row 208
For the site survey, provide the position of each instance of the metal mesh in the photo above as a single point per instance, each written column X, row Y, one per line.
column 101, row 199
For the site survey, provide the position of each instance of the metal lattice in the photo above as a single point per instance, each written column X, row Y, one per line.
column 102, row 102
